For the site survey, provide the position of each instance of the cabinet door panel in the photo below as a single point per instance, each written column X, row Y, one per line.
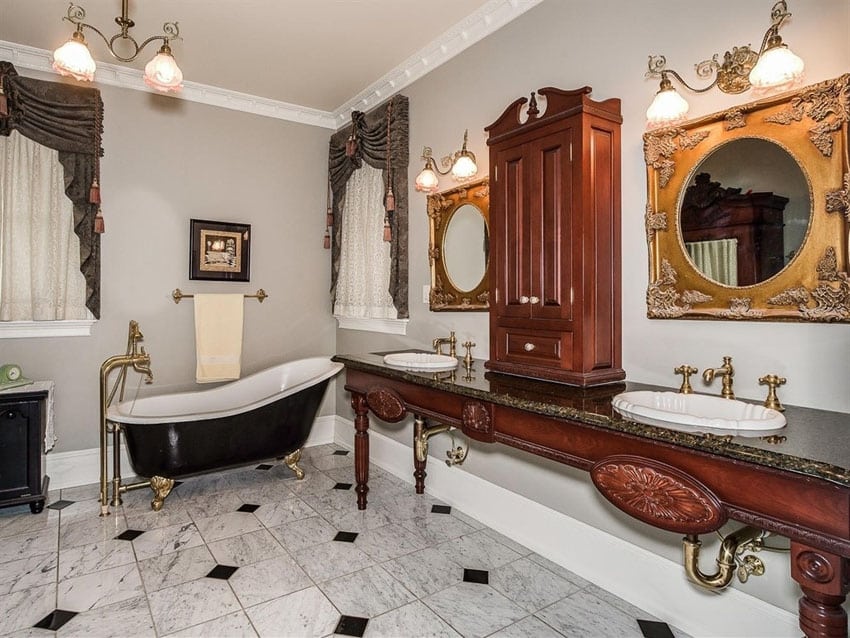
column 513, row 276
column 14, row 441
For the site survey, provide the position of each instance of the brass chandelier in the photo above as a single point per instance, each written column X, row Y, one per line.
column 74, row 58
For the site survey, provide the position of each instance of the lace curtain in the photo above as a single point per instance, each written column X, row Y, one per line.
column 362, row 286
column 40, row 276
column 717, row 259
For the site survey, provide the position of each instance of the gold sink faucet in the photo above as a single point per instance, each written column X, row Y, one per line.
column 726, row 372
column 451, row 340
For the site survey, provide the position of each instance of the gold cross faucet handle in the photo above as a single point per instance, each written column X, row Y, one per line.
column 467, row 359
column 686, row 371
column 772, row 381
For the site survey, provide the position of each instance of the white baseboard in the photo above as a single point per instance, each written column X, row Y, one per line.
column 651, row 582
column 82, row 467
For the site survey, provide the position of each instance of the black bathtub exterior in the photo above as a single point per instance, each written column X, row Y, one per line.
column 175, row 450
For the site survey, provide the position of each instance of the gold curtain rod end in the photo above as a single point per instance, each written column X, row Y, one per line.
column 177, row 295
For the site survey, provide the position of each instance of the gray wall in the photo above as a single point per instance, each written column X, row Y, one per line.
column 605, row 44
column 167, row 161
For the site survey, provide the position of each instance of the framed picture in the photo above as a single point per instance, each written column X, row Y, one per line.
column 219, row 251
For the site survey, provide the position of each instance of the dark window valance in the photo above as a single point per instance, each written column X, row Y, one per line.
column 370, row 131
column 68, row 119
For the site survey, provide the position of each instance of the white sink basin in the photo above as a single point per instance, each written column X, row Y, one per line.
column 420, row 361
column 696, row 412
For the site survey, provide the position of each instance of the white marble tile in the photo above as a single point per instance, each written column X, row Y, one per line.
column 404, row 506
column 478, row 551
column 556, row 569
column 165, row 540
column 207, row 486
column 28, row 572
column 31, row 632
column 175, row 568
column 271, row 490
column 146, row 519
column 246, row 549
column 81, row 509
column 331, row 501
column 226, row 525
column 330, row 560
column 366, row 593
column 438, row 528
column 528, row 627
column 312, row 483
column 414, row 619
column 290, row 509
column 306, row 613
column 474, row 610
column 304, row 533
column 587, row 615
column 466, row 518
column 354, row 520
column 389, row 541
column 14, row 524
column 332, row 461
column 234, row 625
column 191, row 603
column 86, row 530
column 81, row 492
column 529, row 585
column 259, row 582
column 100, row 588
column 314, row 451
column 425, row 572
column 129, row 618
column 22, row 609
column 510, row 543
column 85, row 559
column 207, row 506
column 33, row 543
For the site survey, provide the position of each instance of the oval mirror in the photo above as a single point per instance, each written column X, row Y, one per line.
column 465, row 247
column 745, row 212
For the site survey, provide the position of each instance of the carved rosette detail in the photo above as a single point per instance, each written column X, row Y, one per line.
column 735, row 118
column 386, row 404
column 433, row 254
column 739, row 308
column 658, row 147
column 655, row 221
column 658, row 494
column 831, row 296
column 438, row 297
column 476, row 417
column 838, row 201
column 815, row 567
column 664, row 301
column 827, row 103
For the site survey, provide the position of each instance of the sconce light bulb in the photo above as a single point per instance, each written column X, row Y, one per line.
column 464, row 166
column 162, row 72
column 668, row 107
column 74, row 59
column 777, row 67
column 427, row 181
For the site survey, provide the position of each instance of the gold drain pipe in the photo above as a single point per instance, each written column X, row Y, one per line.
column 726, row 561
column 421, row 434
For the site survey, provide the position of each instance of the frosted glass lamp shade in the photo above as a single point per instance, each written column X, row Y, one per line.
column 74, row 59
column 777, row 67
column 427, row 180
column 162, row 72
column 464, row 166
column 668, row 107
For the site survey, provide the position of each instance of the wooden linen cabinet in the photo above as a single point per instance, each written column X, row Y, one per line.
column 555, row 239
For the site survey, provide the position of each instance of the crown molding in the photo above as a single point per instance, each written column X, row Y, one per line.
column 27, row 57
column 476, row 26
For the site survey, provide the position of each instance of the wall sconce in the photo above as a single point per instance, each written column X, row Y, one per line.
column 74, row 58
column 774, row 66
column 461, row 164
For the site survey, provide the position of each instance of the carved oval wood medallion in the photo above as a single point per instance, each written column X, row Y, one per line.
column 658, row 494
column 386, row 404
column 475, row 416
column 815, row 567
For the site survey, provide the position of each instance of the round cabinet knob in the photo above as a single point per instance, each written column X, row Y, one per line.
column 528, row 347
column 534, row 299
column 524, row 299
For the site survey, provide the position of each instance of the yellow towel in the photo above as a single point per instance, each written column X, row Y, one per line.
column 218, row 337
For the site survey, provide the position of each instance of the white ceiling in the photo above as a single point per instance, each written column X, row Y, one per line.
column 321, row 54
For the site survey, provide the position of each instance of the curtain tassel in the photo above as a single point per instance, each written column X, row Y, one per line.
column 94, row 192
column 390, row 200
column 99, row 226
column 327, row 241
column 388, row 231
column 350, row 146
column 4, row 103
column 329, row 220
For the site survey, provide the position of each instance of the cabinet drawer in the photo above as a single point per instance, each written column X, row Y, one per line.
column 536, row 346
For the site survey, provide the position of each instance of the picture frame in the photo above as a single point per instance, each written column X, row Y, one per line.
column 219, row 251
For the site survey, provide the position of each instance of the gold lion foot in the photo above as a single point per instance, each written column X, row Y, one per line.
column 161, row 489
column 291, row 461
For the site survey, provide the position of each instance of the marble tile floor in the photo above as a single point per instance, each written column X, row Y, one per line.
column 254, row 552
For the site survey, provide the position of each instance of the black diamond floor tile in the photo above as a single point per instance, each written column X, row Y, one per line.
column 351, row 626
column 345, row 537
column 441, row 509
column 480, row 576
column 343, row 486
column 655, row 629
column 60, row 504
column 128, row 535
column 342, row 453
column 248, row 507
column 264, row 466
column 55, row 619
column 222, row 572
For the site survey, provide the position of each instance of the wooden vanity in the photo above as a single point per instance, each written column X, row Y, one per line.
column 798, row 486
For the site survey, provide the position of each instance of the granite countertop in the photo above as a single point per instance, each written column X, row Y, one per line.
column 816, row 442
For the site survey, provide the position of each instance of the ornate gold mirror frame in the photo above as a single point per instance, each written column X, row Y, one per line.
column 445, row 296
column 811, row 125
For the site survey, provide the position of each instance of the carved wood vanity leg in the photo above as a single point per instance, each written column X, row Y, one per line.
column 361, row 447
column 825, row 580
column 419, row 466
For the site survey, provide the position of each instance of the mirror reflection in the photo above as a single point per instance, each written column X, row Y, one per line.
column 745, row 212
column 465, row 247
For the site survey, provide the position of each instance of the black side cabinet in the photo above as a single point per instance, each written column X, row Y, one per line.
column 22, row 424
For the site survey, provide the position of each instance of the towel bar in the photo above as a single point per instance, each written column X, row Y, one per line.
column 178, row 294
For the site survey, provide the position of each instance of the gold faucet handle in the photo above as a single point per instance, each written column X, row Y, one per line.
column 467, row 359
column 772, row 381
column 686, row 371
